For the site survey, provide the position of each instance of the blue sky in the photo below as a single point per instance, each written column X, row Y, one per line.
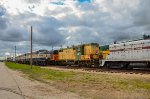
column 2, row 11
column 84, row 1
column 62, row 2
column 58, row 3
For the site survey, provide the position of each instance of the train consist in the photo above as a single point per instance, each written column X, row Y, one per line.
column 82, row 55
column 118, row 55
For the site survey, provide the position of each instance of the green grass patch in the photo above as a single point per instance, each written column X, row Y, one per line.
column 40, row 73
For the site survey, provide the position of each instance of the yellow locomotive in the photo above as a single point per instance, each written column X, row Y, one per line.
column 82, row 55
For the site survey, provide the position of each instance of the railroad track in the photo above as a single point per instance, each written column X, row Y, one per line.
column 133, row 71
column 96, row 69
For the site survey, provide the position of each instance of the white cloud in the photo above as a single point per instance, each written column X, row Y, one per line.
column 101, row 21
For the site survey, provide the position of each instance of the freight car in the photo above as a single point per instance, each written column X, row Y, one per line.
column 129, row 54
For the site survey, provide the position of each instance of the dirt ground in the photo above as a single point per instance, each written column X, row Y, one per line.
column 101, row 90
column 37, row 90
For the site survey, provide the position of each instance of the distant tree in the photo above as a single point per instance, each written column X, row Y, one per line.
column 146, row 36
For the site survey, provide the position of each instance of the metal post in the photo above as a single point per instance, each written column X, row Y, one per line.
column 31, row 50
column 15, row 54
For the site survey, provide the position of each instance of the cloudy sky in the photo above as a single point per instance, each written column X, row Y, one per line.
column 68, row 22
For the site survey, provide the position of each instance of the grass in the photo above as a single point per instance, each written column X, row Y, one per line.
column 38, row 72
column 82, row 82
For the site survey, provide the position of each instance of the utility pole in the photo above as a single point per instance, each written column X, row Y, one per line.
column 52, row 49
column 15, row 54
column 31, row 49
column 52, row 54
